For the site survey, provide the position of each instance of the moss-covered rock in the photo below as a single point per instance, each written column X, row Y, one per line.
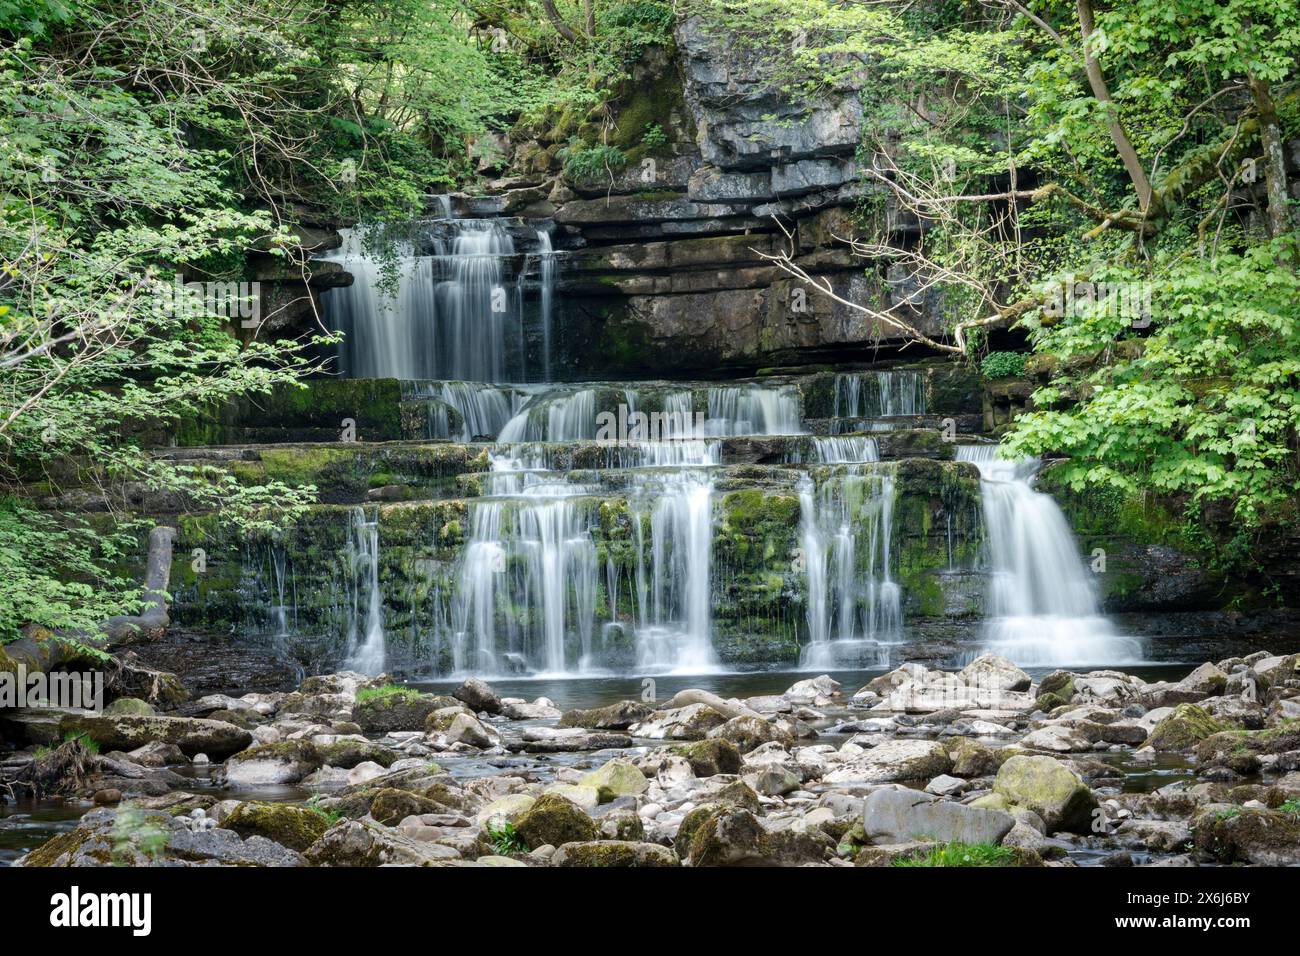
column 1182, row 730
column 619, row 716
column 126, row 732
column 614, row 853
column 400, row 710
column 134, row 706
column 616, row 779
column 390, row 807
column 711, row 756
column 1049, row 788
column 349, row 752
column 1248, row 835
column 294, row 827
column 555, row 820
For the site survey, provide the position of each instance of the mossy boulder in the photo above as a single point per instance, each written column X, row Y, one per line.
column 748, row 732
column 1049, row 788
column 401, row 710
column 294, row 827
column 614, row 853
column 287, row 762
column 710, row 757
column 1182, row 730
column 619, row 716
column 553, row 819
column 132, row 706
column 1248, row 835
column 349, row 752
column 127, row 732
column 617, row 778
column 390, row 807
column 733, row 836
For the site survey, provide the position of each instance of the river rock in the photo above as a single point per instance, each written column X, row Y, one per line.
column 294, row 827
column 614, row 853
column 466, row 729
column 1243, row 835
column 749, row 732
column 540, row 709
column 272, row 764
column 1182, row 730
column 616, row 779
column 891, row 761
column 734, row 836
column 900, row 815
column 510, row 808
column 619, row 716
column 991, row 672
column 553, row 819
column 406, row 710
column 478, row 696
column 691, row 722
column 358, row 843
column 712, row 756
column 126, row 732
column 1049, row 788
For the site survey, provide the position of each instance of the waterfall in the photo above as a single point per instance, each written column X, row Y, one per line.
column 754, row 410
column 1043, row 606
column 846, row 529
column 546, row 279
column 568, row 417
column 366, row 651
column 674, row 598
column 457, row 313
column 483, row 409
column 850, row 449
column 887, row 394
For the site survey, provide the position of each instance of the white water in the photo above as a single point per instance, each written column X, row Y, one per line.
column 854, row 604
column 1043, row 607
column 884, row 394
column 457, row 314
column 366, row 648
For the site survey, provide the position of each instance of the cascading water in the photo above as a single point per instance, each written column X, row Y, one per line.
column 366, row 650
column 854, row 605
column 457, row 313
column 1043, row 607
column 875, row 395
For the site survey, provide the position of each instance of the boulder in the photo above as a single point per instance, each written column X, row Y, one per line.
column 1049, row 788
column 733, row 836
column 1248, row 835
column 900, row 815
column 357, row 843
column 991, row 672
column 397, row 711
column 553, row 819
column 478, row 696
column 691, row 722
column 614, row 853
column 128, row 732
column 749, row 732
column 710, row 757
column 466, row 729
column 510, row 808
column 272, row 764
column 294, row 827
column 1182, row 730
column 893, row 760
column 616, row 779
column 618, row 716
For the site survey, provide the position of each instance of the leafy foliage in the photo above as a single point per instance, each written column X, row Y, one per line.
column 1003, row 364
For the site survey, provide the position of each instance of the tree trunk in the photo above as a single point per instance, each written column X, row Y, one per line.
column 557, row 21
column 1127, row 154
column 1270, row 137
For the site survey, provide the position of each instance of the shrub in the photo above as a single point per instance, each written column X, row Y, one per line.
column 1003, row 364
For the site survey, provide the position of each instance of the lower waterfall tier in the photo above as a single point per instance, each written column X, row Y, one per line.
column 671, row 569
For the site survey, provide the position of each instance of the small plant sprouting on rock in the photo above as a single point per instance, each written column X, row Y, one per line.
column 501, row 833
column 654, row 136
column 133, row 831
column 1291, row 808
column 963, row 854
column 331, row 814
column 583, row 162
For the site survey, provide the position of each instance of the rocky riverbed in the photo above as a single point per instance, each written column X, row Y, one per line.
column 985, row 765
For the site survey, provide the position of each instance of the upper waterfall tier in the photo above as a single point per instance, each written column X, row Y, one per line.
column 451, row 299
